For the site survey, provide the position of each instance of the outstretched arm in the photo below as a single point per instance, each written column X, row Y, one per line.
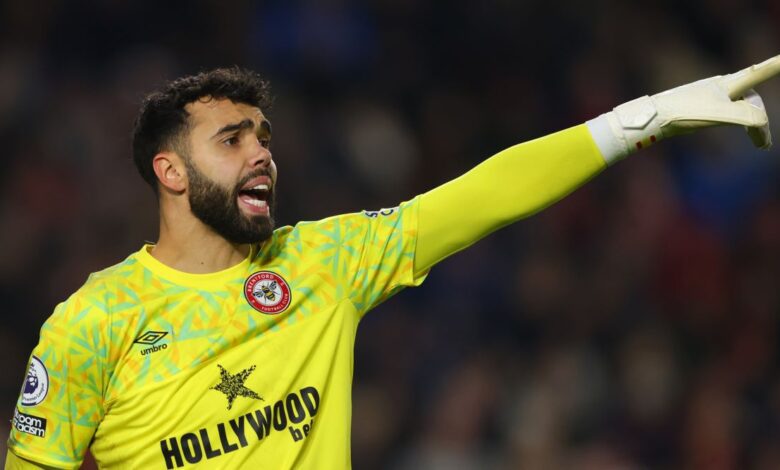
column 528, row 177
column 512, row 184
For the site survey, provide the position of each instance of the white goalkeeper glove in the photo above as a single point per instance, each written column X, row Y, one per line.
column 727, row 99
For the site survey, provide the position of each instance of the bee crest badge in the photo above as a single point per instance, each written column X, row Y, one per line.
column 267, row 292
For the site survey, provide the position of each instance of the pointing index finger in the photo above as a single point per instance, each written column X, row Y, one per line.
column 742, row 81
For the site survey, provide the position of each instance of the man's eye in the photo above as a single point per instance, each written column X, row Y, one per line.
column 265, row 142
column 231, row 141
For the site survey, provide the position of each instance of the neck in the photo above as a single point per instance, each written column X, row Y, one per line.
column 187, row 244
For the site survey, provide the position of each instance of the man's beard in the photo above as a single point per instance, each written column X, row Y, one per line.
column 217, row 207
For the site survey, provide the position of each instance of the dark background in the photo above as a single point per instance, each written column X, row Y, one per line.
column 633, row 325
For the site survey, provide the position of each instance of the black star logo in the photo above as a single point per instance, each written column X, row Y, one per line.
column 233, row 385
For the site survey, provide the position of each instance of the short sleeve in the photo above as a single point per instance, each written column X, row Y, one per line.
column 368, row 255
column 61, row 401
column 380, row 247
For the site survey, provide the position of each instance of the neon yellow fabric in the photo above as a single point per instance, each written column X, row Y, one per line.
column 513, row 184
column 155, row 368
column 12, row 462
column 251, row 367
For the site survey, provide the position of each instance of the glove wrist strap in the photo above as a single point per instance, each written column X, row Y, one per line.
column 630, row 127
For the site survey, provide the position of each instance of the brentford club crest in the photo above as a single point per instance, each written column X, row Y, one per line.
column 267, row 292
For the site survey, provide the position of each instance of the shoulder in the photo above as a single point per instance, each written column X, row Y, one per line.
column 91, row 303
column 112, row 275
column 343, row 229
column 362, row 219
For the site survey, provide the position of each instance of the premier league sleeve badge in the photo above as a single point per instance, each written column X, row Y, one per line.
column 36, row 383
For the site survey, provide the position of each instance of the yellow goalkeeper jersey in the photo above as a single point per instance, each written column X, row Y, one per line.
column 250, row 367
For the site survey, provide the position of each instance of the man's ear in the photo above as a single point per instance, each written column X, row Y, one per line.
column 170, row 170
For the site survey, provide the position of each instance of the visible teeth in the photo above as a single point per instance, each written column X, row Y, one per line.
column 263, row 187
column 256, row 202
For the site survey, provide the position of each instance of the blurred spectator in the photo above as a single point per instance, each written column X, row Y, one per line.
column 633, row 325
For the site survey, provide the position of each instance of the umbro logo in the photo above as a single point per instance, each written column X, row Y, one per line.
column 151, row 338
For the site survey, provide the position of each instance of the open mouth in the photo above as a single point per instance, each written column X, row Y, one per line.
column 255, row 197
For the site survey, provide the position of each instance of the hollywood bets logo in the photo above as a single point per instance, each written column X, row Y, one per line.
column 267, row 292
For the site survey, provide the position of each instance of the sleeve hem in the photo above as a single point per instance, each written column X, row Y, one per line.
column 416, row 278
column 35, row 458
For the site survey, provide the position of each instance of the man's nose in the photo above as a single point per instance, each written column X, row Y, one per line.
column 261, row 156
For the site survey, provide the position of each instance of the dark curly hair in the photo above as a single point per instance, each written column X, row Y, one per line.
column 162, row 123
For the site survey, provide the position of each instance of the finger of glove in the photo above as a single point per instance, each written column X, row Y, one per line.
column 753, row 99
column 749, row 112
column 760, row 136
column 732, row 112
column 740, row 82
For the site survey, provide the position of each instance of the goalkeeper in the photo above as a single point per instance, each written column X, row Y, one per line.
column 228, row 343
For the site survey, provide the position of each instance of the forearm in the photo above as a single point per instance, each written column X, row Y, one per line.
column 509, row 186
column 528, row 177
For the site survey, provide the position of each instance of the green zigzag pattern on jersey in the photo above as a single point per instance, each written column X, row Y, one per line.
column 339, row 238
column 393, row 249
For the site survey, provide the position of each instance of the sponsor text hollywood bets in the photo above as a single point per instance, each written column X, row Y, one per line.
column 298, row 409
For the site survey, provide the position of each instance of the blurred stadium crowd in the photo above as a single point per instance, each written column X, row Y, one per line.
column 633, row 325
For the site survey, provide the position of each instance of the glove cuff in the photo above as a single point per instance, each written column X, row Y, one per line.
column 628, row 128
